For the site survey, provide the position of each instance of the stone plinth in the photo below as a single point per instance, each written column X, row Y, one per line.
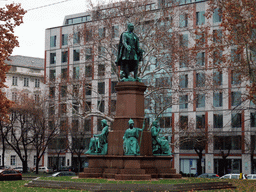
column 116, row 165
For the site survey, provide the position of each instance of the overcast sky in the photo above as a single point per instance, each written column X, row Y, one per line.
column 42, row 14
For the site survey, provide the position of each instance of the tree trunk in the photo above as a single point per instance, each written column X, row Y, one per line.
column 3, row 152
column 25, row 166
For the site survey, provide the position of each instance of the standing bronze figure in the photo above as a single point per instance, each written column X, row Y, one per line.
column 129, row 53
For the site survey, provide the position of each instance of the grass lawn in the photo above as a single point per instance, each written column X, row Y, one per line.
column 18, row 186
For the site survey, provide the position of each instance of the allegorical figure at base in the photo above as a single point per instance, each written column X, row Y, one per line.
column 160, row 145
column 131, row 144
column 129, row 54
column 99, row 143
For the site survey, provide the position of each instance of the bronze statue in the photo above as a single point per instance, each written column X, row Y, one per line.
column 99, row 143
column 129, row 53
column 160, row 145
column 131, row 135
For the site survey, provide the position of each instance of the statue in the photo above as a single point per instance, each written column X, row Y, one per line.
column 160, row 145
column 99, row 143
column 129, row 54
column 131, row 135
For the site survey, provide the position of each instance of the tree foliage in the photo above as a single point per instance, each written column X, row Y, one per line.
column 11, row 16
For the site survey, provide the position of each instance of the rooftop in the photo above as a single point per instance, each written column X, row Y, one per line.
column 25, row 61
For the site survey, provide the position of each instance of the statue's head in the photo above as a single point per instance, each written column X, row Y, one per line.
column 131, row 123
column 104, row 122
column 130, row 27
column 155, row 123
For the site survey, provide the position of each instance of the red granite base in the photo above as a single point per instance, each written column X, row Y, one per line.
column 129, row 167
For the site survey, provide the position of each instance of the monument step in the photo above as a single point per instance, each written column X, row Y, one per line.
column 93, row 170
column 168, row 175
column 111, row 170
column 132, row 171
column 109, row 175
column 133, row 177
column 151, row 170
column 166, row 170
column 90, row 175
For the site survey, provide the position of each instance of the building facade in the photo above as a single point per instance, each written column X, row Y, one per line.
column 78, row 68
column 24, row 77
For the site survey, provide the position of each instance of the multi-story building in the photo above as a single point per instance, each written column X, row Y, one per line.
column 73, row 57
column 24, row 77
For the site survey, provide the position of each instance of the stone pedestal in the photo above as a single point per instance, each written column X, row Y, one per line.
column 130, row 104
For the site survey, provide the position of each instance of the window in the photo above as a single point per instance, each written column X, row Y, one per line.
column 253, row 119
column 113, row 85
column 14, row 96
column 88, row 53
column 216, row 16
column 14, row 81
column 115, row 31
column 101, row 70
column 200, row 58
column 51, row 110
column 217, row 78
column 88, row 90
column 200, row 18
column 184, row 20
column 200, row 100
column 64, row 56
column 183, row 121
column 200, row 80
column 53, row 41
column 217, row 36
column 165, row 122
column 184, row 40
column 88, row 35
column 163, row 82
column 26, row 82
column 101, row 52
column 235, row 55
column 64, row 73
column 236, row 120
column 76, row 55
column 88, row 71
column 227, row 143
column 217, row 120
column 76, row 38
column 64, row 39
column 101, row 106
column 52, row 75
column 102, row 32
column 183, row 60
column 113, row 106
column 88, row 106
column 52, row 58
column 63, row 91
column 75, row 91
column 34, row 160
column 13, row 160
column 87, row 125
column 51, row 92
column 235, row 98
column 37, row 83
column 183, row 100
column 63, row 108
column 75, row 108
column 217, row 56
column 101, row 87
column 37, row 98
column 200, row 121
column 217, row 99
column 76, row 72
column 184, row 81
column 235, row 78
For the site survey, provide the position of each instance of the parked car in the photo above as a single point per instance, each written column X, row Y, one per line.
column 10, row 174
column 251, row 176
column 209, row 175
column 64, row 173
column 5, row 167
column 20, row 169
column 43, row 169
column 232, row 176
